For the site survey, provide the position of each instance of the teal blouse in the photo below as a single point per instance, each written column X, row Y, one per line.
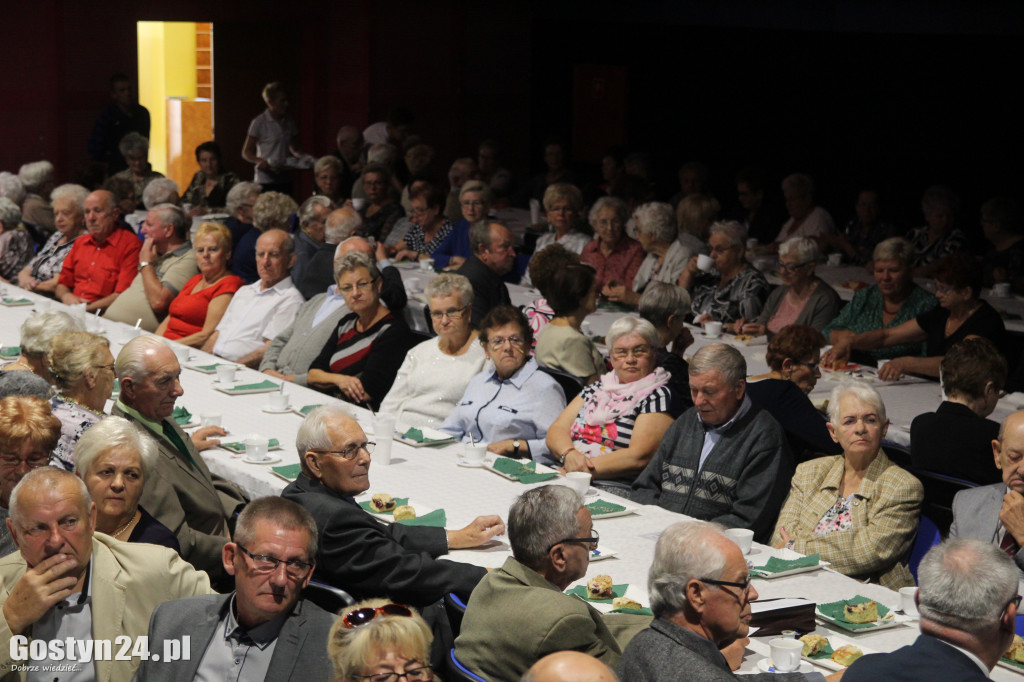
column 864, row 313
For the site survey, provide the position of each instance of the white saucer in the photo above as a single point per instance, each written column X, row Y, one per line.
column 275, row 410
column 217, row 383
column 274, row 459
column 765, row 665
column 469, row 465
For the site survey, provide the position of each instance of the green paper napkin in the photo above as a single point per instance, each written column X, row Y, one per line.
column 307, row 409
column 210, row 368
column 636, row 612
column 611, row 306
column 834, row 610
column 777, row 565
column 581, row 591
column 522, row 471
column 826, row 651
column 10, row 351
column 435, row 519
column 116, row 393
column 267, row 383
column 288, row 471
column 16, row 301
column 417, row 436
column 601, row 507
column 181, row 416
column 240, row 447
column 1016, row 664
column 399, row 501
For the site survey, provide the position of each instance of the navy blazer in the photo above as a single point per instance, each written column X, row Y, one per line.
column 925, row 660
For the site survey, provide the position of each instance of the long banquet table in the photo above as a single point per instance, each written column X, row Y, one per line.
column 431, row 478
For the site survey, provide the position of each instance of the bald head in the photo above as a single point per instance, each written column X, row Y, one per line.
column 342, row 224
column 101, row 213
column 357, row 244
column 569, row 666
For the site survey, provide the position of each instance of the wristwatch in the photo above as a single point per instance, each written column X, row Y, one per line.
column 515, row 448
column 143, row 264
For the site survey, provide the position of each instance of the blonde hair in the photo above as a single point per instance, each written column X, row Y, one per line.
column 218, row 231
column 351, row 649
column 72, row 356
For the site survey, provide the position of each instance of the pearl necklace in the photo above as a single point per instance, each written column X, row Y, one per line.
column 125, row 526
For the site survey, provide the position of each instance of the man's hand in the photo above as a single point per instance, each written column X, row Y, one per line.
column 38, row 590
column 479, row 532
column 70, row 299
column 202, row 440
column 1011, row 515
column 734, row 652
column 148, row 251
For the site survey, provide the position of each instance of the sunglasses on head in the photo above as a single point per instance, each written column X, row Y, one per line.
column 363, row 616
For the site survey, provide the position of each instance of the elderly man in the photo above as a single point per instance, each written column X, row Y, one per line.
column 569, row 666
column 166, row 263
column 494, row 255
column 341, row 224
column 263, row 630
column 995, row 513
column 725, row 459
column 700, row 594
column 68, row 585
column 180, row 493
column 292, row 351
column 259, row 311
column 519, row 614
column 968, row 602
column 104, row 262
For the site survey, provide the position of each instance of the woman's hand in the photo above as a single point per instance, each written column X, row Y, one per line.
column 26, row 280
column 455, row 262
column 351, row 388
column 686, row 278
column 893, row 370
column 786, row 538
column 839, row 354
column 506, row 449
column 753, row 328
column 407, row 254
column 381, row 251
column 278, row 375
column 577, row 461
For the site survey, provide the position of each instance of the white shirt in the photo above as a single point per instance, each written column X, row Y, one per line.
column 713, row 434
column 273, row 142
column 255, row 316
column 332, row 302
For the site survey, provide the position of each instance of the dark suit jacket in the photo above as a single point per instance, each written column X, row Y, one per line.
column 925, row 660
column 489, row 290
column 369, row 558
column 300, row 653
column 319, row 274
column 955, row 441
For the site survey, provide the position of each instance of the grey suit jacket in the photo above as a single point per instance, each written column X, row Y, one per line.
column 300, row 653
column 976, row 515
column 295, row 349
column 189, row 500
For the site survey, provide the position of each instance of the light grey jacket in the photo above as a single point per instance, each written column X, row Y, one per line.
column 295, row 349
column 976, row 515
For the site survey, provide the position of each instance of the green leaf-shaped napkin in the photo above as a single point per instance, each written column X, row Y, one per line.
column 289, row 472
column 777, row 565
column 636, row 612
column 834, row 610
column 581, row 591
column 16, row 301
column 599, row 507
column 181, row 416
column 434, row 519
column 399, row 501
column 266, row 384
column 417, row 436
column 240, row 447
column 826, row 651
column 210, row 368
column 307, row 409
column 522, row 471
column 10, row 351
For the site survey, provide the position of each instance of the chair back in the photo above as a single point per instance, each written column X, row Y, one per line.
column 456, row 609
column 571, row 384
column 327, row 597
column 928, row 536
column 459, row 672
column 939, row 491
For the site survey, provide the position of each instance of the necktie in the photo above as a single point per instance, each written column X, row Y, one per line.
column 1009, row 545
column 176, row 440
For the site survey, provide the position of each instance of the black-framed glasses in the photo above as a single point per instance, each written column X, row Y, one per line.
column 263, row 563
column 744, row 586
column 354, row 619
column 498, row 342
column 594, row 538
column 451, row 313
column 361, row 286
column 351, row 451
column 421, row 674
column 34, row 460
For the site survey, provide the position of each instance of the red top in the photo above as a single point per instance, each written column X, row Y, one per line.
column 187, row 313
column 619, row 266
column 92, row 270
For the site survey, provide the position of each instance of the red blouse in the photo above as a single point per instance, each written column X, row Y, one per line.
column 188, row 310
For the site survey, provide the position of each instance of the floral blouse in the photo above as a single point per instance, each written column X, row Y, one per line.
column 414, row 238
column 50, row 259
column 15, row 252
column 743, row 296
column 926, row 254
column 74, row 421
column 217, row 198
column 838, row 517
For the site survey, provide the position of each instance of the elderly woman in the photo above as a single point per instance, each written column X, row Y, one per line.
column 210, row 185
column 381, row 642
column 511, row 406
column 327, row 172
column 436, row 372
column 240, row 202
column 803, row 298
column 542, row 270
column 28, row 433
column 381, row 211
column 195, row 312
column 961, row 313
column 805, row 219
column 738, row 290
column 271, row 210
column 310, row 235
column 613, row 427
column 83, row 368
column 695, row 215
column 475, row 200
column 561, row 344
column 15, row 241
column 893, row 300
column 43, row 271
column 939, row 237
column 666, row 255
column 858, row 510
column 360, row 360
column 37, row 333
column 667, row 306
column 562, row 205
column 429, row 227
column 615, row 256
column 114, row 459
column 794, row 356
column 135, row 150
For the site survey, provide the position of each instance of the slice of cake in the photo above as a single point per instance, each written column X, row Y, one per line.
column 861, row 613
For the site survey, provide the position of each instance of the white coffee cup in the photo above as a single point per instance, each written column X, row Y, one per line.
column 743, row 537
column 835, row 259
column 1002, row 290
column 359, row 204
column 907, row 603
column 427, row 264
column 226, row 373
column 474, row 453
column 578, row 481
column 278, row 401
column 713, row 329
column 786, row 654
column 383, row 436
column 182, row 352
column 705, row 263
column 257, row 448
column 210, row 419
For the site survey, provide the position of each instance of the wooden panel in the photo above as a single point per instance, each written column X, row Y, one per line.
column 189, row 124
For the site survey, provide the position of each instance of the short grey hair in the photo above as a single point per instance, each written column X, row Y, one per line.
column 12, row 187
column 115, row 432
column 661, row 300
column 76, row 194
column 133, row 144
column 563, row 190
column 35, row 175
column 621, row 209
column 965, row 584
column 353, row 260
column 307, row 210
column 480, row 236
column 266, row 512
column 895, row 248
column 733, row 232
column 341, row 224
column 726, row 359
column 859, row 389
column 313, row 434
column 273, row 209
column 160, row 191
column 683, row 553
column 47, row 477
column 10, row 214
column 38, row 331
column 479, row 187
column 801, row 183
column 25, row 384
column 451, row 284
column 72, row 355
column 239, row 194
column 540, row 518
column 657, row 220
column 630, row 324
column 803, row 249
column 131, row 361
column 169, row 213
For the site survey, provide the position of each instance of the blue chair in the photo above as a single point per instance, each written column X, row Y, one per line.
column 928, row 536
column 456, row 609
column 1019, row 627
column 459, row 672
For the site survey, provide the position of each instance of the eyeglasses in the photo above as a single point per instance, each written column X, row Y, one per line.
column 110, row 367
column 34, row 460
column 364, row 615
column 787, row 267
column 362, row 286
column 262, row 563
column 813, row 366
column 743, row 586
column 472, row 204
column 451, row 313
column 497, row 342
column 419, row 211
column 421, row 674
column 351, row 451
column 594, row 538
column 637, row 352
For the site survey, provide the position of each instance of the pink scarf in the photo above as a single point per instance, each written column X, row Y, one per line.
column 613, row 399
